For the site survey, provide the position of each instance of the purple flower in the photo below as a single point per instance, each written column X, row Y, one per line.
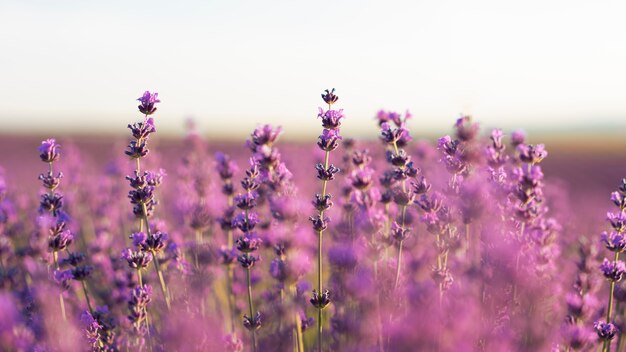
column 322, row 203
column 331, row 119
column 60, row 241
column 399, row 233
column 252, row 323
column 606, row 331
column 618, row 221
column 148, row 101
column 329, row 140
column 531, row 154
column 247, row 260
column 465, row 129
column 49, row 151
column 330, row 97
column 517, row 138
column 319, row 224
column 244, row 222
column 225, row 166
column 264, row 135
column 326, row 174
column 619, row 199
column 246, row 201
column 137, row 259
column 614, row 271
column 614, row 241
column 320, row 301
column 50, row 181
column 400, row 135
column 142, row 130
column 248, row 244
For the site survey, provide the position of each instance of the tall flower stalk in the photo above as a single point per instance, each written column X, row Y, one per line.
column 403, row 169
column 144, row 184
column 60, row 237
column 327, row 141
column 249, row 242
column 614, row 269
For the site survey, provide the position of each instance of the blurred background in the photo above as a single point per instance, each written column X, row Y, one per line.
column 73, row 69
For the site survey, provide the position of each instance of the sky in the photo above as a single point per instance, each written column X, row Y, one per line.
column 69, row 66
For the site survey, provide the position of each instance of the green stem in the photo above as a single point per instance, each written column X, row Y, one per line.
column 320, row 235
column 55, row 255
column 253, row 331
column 607, row 344
column 399, row 258
column 87, row 296
column 157, row 267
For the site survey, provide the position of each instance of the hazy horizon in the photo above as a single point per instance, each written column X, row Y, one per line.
column 77, row 66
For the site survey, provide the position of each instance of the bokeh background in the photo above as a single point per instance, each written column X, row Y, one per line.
column 72, row 69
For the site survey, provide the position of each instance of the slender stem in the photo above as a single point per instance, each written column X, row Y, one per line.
column 609, row 311
column 399, row 259
column 379, row 322
column 157, row 267
column 55, row 255
column 253, row 331
column 320, row 235
column 87, row 296
column 299, row 342
column 231, row 297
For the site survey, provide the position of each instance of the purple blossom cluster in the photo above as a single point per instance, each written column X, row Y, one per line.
column 457, row 244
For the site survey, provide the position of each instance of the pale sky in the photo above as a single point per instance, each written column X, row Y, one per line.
column 67, row 66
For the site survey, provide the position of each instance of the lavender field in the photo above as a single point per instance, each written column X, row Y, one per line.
column 480, row 240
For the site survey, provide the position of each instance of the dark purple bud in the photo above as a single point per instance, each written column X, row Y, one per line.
column 399, row 159
column 265, row 135
column 225, row 166
column 606, row 331
column 394, row 135
column 51, row 203
column 246, row 201
column 399, row 233
column 613, row 271
column 137, row 150
column 60, row 240
column 252, row 323
column 322, row 203
column 248, row 244
column 227, row 255
column 331, row 119
column 421, row 186
column 155, row 242
column 361, row 179
column 49, row 151
column 73, row 259
column 319, row 224
column 403, row 198
column 614, row 241
column 531, row 154
column 147, row 102
column 361, row 158
column 142, row 130
column 320, row 301
column 618, row 198
column 247, row 260
column 430, row 204
column 137, row 259
column 81, row 273
column 330, row 97
column 50, row 181
column 618, row 221
column 244, row 222
column 326, row 174
column 329, row 140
